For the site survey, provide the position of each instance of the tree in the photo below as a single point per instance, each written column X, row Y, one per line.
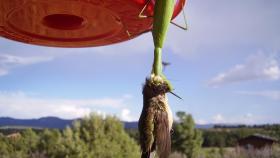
column 186, row 139
column 30, row 140
column 92, row 137
column 51, row 143
column 5, row 149
column 106, row 137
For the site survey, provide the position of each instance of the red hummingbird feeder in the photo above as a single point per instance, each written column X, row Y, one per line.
column 76, row 23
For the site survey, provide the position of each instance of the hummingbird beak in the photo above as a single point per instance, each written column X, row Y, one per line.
column 176, row 95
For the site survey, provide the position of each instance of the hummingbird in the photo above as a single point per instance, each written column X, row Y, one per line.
column 155, row 122
column 156, row 119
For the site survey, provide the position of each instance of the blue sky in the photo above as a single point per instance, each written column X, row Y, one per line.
column 226, row 67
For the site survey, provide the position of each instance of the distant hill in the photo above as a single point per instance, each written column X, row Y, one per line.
column 204, row 126
column 55, row 122
column 44, row 122
column 129, row 125
column 135, row 125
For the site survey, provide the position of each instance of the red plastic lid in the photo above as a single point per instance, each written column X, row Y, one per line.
column 67, row 23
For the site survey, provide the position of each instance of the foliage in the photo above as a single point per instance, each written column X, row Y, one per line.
column 274, row 152
column 98, row 136
column 94, row 136
column 133, row 133
column 234, row 153
column 228, row 137
column 186, row 139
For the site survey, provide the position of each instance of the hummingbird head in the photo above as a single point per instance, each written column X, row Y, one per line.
column 151, row 89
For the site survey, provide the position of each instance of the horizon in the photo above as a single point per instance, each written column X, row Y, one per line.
column 226, row 68
column 67, row 119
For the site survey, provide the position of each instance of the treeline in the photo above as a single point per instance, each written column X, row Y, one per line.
column 263, row 126
column 15, row 129
column 224, row 135
column 96, row 137
column 105, row 137
column 227, row 136
column 90, row 137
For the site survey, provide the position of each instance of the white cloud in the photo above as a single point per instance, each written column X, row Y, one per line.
column 201, row 122
column 71, row 111
column 8, row 62
column 17, row 60
column 247, row 118
column 126, row 115
column 271, row 94
column 256, row 67
column 248, row 115
column 272, row 72
column 218, row 118
column 22, row 105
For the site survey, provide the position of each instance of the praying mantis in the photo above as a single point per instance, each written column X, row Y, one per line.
column 156, row 120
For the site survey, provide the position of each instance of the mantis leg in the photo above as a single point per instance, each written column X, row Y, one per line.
column 141, row 13
column 185, row 20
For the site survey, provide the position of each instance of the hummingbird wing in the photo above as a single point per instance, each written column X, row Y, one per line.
column 146, row 131
column 162, row 134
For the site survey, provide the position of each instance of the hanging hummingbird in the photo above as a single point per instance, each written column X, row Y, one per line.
column 156, row 119
column 155, row 122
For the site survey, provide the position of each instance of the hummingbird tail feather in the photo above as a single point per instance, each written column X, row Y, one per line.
column 162, row 138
